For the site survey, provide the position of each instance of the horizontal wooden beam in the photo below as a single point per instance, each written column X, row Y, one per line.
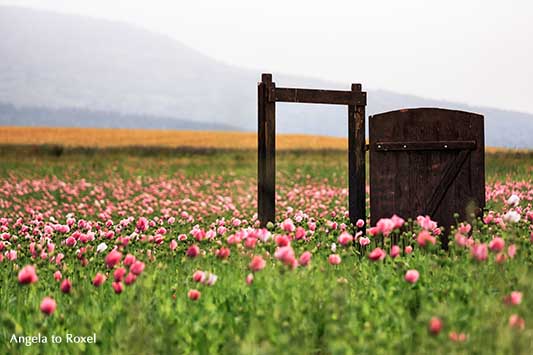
column 428, row 145
column 313, row 96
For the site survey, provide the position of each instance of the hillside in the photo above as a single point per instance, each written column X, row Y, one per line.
column 117, row 75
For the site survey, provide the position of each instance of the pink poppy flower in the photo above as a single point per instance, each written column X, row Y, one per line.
column 514, row 298
column 395, row 251
column 98, row 280
column 57, row 275
column 345, row 238
column 426, row 223
column 360, row 223
column 173, row 244
column 117, row 286
column 66, row 285
column 193, row 251
column 48, row 305
column 377, row 254
column 408, row 249
column 412, row 276
column 249, row 279
column 27, row 275
column 398, row 221
column 223, row 253
column 305, row 258
column 300, row 233
column 257, row 263
column 194, row 294
column 119, row 274
column 283, row 240
column 250, row 242
column 142, row 224
column 198, row 276
column 511, row 251
column 129, row 260
column 286, row 256
column 517, row 322
column 59, row 258
column 460, row 239
column 372, row 231
column 480, row 252
column 71, row 241
column 500, row 258
column 288, row 226
column 137, row 268
column 435, row 325
column 424, row 238
column 11, row 255
column 334, row 259
column 113, row 258
column 130, row 279
column 465, row 228
column 457, row 337
column 364, row 241
column 385, row 226
column 496, row 244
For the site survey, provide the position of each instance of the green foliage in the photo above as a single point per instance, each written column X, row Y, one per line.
column 352, row 308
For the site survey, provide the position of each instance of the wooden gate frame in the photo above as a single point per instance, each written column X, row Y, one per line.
column 268, row 95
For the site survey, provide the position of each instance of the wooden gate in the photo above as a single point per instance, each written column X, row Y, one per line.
column 427, row 161
column 268, row 95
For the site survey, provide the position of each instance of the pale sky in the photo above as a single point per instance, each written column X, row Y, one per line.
column 472, row 51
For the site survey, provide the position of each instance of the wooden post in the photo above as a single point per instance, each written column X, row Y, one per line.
column 356, row 161
column 266, row 151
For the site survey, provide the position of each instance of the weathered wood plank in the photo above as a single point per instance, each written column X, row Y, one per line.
column 266, row 156
column 313, row 96
column 356, row 160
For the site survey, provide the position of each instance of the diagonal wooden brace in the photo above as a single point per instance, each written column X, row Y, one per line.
column 449, row 175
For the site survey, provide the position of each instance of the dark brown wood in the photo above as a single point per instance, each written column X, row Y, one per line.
column 448, row 176
column 268, row 95
column 427, row 178
column 429, row 145
column 312, row 96
column 356, row 160
column 266, row 157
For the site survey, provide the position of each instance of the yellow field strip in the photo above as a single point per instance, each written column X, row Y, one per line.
column 112, row 137
column 105, row 138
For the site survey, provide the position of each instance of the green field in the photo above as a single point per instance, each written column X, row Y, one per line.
column 358, row 306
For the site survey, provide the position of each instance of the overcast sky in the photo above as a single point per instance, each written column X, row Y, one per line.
column 477, row 52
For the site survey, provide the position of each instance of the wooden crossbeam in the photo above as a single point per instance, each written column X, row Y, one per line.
column 313, row 96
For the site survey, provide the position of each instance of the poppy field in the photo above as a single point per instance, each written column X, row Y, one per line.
column 120, row 252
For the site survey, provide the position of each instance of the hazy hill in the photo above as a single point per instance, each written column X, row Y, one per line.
column 112, row 74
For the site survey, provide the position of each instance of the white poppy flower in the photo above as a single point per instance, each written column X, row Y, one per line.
column 513, row 201
column 101, row 247
column 512, row 216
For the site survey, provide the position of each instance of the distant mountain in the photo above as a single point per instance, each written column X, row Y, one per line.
column 70, row 70
column 77, row 117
